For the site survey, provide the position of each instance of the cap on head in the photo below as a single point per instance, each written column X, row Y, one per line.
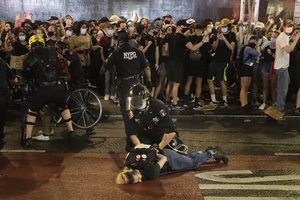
column 114, row 19
column 224, row 22
column 181, row 22
column 259, row 24
column 36, row 40
column 122, row 35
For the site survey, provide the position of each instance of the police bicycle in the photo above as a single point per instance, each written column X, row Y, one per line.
column 84, row 105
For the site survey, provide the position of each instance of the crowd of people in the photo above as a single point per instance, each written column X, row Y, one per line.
column 184, row 57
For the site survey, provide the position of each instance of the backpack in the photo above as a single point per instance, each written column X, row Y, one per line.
column 139, row 158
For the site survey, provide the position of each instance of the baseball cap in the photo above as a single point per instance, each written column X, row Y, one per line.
column 181, row 22
column 168, row 15
column 259, row 24
column 224, row 22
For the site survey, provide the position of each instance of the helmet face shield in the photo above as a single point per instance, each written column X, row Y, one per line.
column 136, row 103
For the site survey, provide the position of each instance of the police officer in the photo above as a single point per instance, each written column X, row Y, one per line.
column 129, row 63
column 42, row 67
column 150, row 122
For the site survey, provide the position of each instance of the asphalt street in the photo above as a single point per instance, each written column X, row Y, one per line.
column 264, row 162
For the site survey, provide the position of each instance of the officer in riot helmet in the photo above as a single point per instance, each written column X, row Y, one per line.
column 41, row 67
column 150, row 122
column 130, row 63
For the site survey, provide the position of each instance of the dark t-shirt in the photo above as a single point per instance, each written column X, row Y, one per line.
column 177, row 47
column 19, row 49
column 150, row 53
column 154, row 123
column 223, row 53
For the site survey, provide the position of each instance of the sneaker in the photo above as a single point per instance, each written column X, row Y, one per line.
column 214, row 103
column 223, row 104
column 41, row 137
column 112, row 97
column 26, row 142
column 218, row 154
column 177, row 108
column 297, row 110
column 71, row 135
column 262, row 106
column 106, row 97
column 198, row 108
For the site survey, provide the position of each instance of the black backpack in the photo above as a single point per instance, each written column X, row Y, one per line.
column 140, row 157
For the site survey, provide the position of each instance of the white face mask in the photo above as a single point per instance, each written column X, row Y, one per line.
column 289, row 30
column 110, row 33
column 131, row 29
column 83, row 31
column 39, row 32
column 224, row 30
column 273, row 40
column 69, row 33
column 209, row 30
column 22, row 38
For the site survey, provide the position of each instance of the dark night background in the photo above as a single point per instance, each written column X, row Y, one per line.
column 95, row 9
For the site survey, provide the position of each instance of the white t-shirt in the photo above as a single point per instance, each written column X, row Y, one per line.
column 282, row 58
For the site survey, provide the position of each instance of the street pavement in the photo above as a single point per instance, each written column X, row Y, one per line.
column 264, row 160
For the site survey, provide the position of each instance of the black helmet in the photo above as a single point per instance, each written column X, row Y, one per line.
column 138, row 98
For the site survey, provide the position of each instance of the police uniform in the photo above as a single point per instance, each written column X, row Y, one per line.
column 129, row 63
column 152, row 125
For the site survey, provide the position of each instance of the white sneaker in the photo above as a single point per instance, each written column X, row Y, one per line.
column 41, row 137
column 112, row 97
column 106, row 97
column 262, row 106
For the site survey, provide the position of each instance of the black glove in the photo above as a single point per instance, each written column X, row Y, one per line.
column 149, row 85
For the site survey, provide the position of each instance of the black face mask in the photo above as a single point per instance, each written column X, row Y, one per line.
column 155, row 33
column 252, row 45
column 50, row 33
column 184, row 29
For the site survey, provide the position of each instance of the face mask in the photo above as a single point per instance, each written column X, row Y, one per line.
column 289, row 30
column 39, row 32
column 155, row 33
column 50, row 33
column 22, row 38
column 131, row 29
column 224, row 30
column 273, row 40
column 252, row 45
column 110, row 33
column 69, row 33
column 82, row 31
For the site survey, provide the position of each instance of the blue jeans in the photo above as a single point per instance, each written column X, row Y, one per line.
column 283, row 81
column 178, row 162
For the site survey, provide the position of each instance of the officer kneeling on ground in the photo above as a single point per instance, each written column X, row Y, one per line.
column 146, row 162
column 150, row 122
column 42, row 68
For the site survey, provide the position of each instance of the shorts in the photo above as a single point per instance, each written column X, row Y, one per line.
column 45, row 95
column 216, row 71
column 175, row 71
column 246, row 71
column 195, row 69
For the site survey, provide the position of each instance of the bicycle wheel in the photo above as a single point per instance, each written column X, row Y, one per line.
column 85, row 107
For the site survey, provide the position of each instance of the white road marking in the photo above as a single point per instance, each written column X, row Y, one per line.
column 249, row 187
column 251, row 198
column 22, row 151
column 220, row 176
